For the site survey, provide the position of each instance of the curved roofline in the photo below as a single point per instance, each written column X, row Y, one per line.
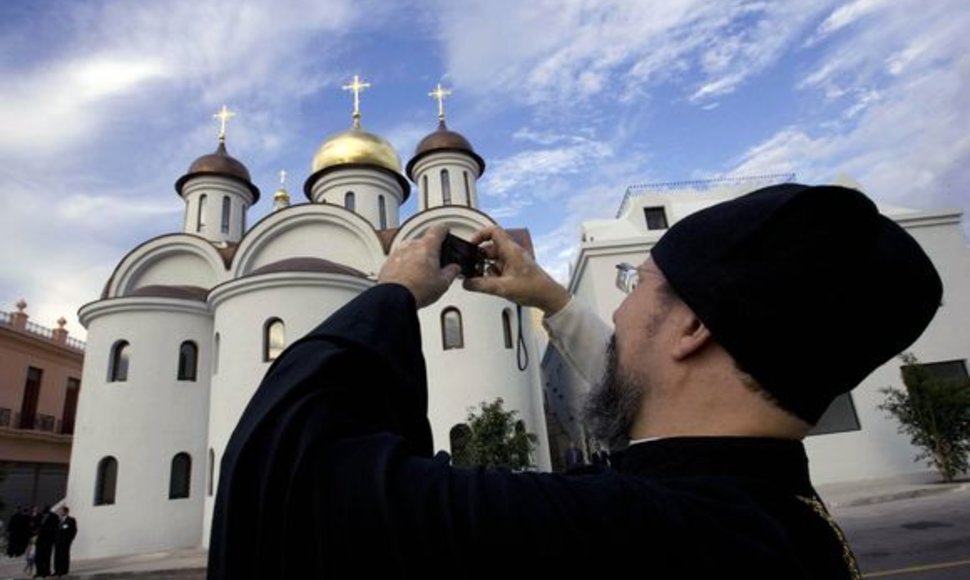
column 312, row 180
column 181, row 181
column 409, row 168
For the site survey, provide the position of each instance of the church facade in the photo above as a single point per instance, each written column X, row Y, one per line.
column 189, row 322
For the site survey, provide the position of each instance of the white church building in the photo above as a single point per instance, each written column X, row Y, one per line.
column 854, row 440
column 189, row 322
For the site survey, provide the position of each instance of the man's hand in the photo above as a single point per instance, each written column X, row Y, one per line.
column 415, row 264
column 519, row 278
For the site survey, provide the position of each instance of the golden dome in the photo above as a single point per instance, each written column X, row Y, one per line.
column 356, row 147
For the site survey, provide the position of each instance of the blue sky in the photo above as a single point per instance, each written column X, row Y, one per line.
column 104, row 104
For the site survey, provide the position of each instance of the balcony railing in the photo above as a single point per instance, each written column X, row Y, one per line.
column 39, row 422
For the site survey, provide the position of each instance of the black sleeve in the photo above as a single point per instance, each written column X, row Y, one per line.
column 330, row 468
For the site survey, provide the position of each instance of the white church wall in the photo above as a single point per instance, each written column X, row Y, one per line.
column 142, row 422
column 483, row 369
column 302, row 300
column 367, row 186
column 461, row 175
column 209, row 222
column 311, row 230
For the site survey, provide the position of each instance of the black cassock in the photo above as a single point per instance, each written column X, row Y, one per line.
column 330, row 473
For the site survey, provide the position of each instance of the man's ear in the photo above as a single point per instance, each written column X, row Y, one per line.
column 692, row 336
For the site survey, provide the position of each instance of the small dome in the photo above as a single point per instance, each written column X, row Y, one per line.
column 356, row 147
column 444, row 139
column 222, row 164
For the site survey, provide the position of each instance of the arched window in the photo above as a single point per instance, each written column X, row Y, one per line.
column 118, row 366
column 200, row 221
column 226, row 208
column 382, row 207
column 349, row 201
column 273, row 339
column 106, row 482
column 215, row 354
column 212, row 470
column 507, row 327
column 451, row 332
column 188, row 361
column 445, row 188
column 424, row 189
column 468, row 189
column 460, row 436
column 178, row 482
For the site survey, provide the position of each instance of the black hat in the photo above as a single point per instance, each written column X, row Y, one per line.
column 809, row 289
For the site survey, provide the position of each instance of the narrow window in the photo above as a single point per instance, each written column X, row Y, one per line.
column 424, row 189
column 451, row 332
column 212, row 470
column 28, row 407
column 349, row 201
column 200, row 220
column 188, row 361
column 70, row 406
column 507, row 328
column 445, row 188
column 656, row 218
column 107, row 480
column 226, row 207
column 273, row 339
column 178, row 482
column 118, row 368
column 468, row 189
column 382, row 206
column 215, row 355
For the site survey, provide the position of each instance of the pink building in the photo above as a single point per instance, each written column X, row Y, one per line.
column 40, row 380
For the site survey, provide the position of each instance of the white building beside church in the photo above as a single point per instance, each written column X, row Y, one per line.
column 189, row 322
column 854, row 440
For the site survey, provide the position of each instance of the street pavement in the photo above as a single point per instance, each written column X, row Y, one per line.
column 865, row 509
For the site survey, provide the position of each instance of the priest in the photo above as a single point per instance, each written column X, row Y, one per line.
column 744, row 323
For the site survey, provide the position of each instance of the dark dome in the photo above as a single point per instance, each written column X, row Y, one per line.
column 222, row 164
column 444, row 139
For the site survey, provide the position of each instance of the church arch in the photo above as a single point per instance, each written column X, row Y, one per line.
column 106, row 481
column 445, row 187
column 188, row 361
column 306, row 231
column 169, row 260
column 118, row 362
column 180, row 476
column 274, row 339
column 461, row 221
column 452, row 334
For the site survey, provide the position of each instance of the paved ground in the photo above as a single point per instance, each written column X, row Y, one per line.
column 189, row 564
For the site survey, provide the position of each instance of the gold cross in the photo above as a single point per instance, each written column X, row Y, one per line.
column 282, row 179
column 440, row 93
column 223, row 115
column 357, row 87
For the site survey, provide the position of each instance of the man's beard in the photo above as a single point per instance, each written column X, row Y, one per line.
column 612, row 405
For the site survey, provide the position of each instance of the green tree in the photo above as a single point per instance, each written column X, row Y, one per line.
column 935, row 413
column 493, row 437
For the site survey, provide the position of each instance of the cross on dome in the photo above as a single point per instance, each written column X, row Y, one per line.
column 439, row 93
column 223, row 115
column 282, row 179
column 357, row 87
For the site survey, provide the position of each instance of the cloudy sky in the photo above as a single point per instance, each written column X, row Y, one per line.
column 104, row 104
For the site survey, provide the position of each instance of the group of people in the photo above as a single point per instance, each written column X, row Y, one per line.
column 38, row 534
